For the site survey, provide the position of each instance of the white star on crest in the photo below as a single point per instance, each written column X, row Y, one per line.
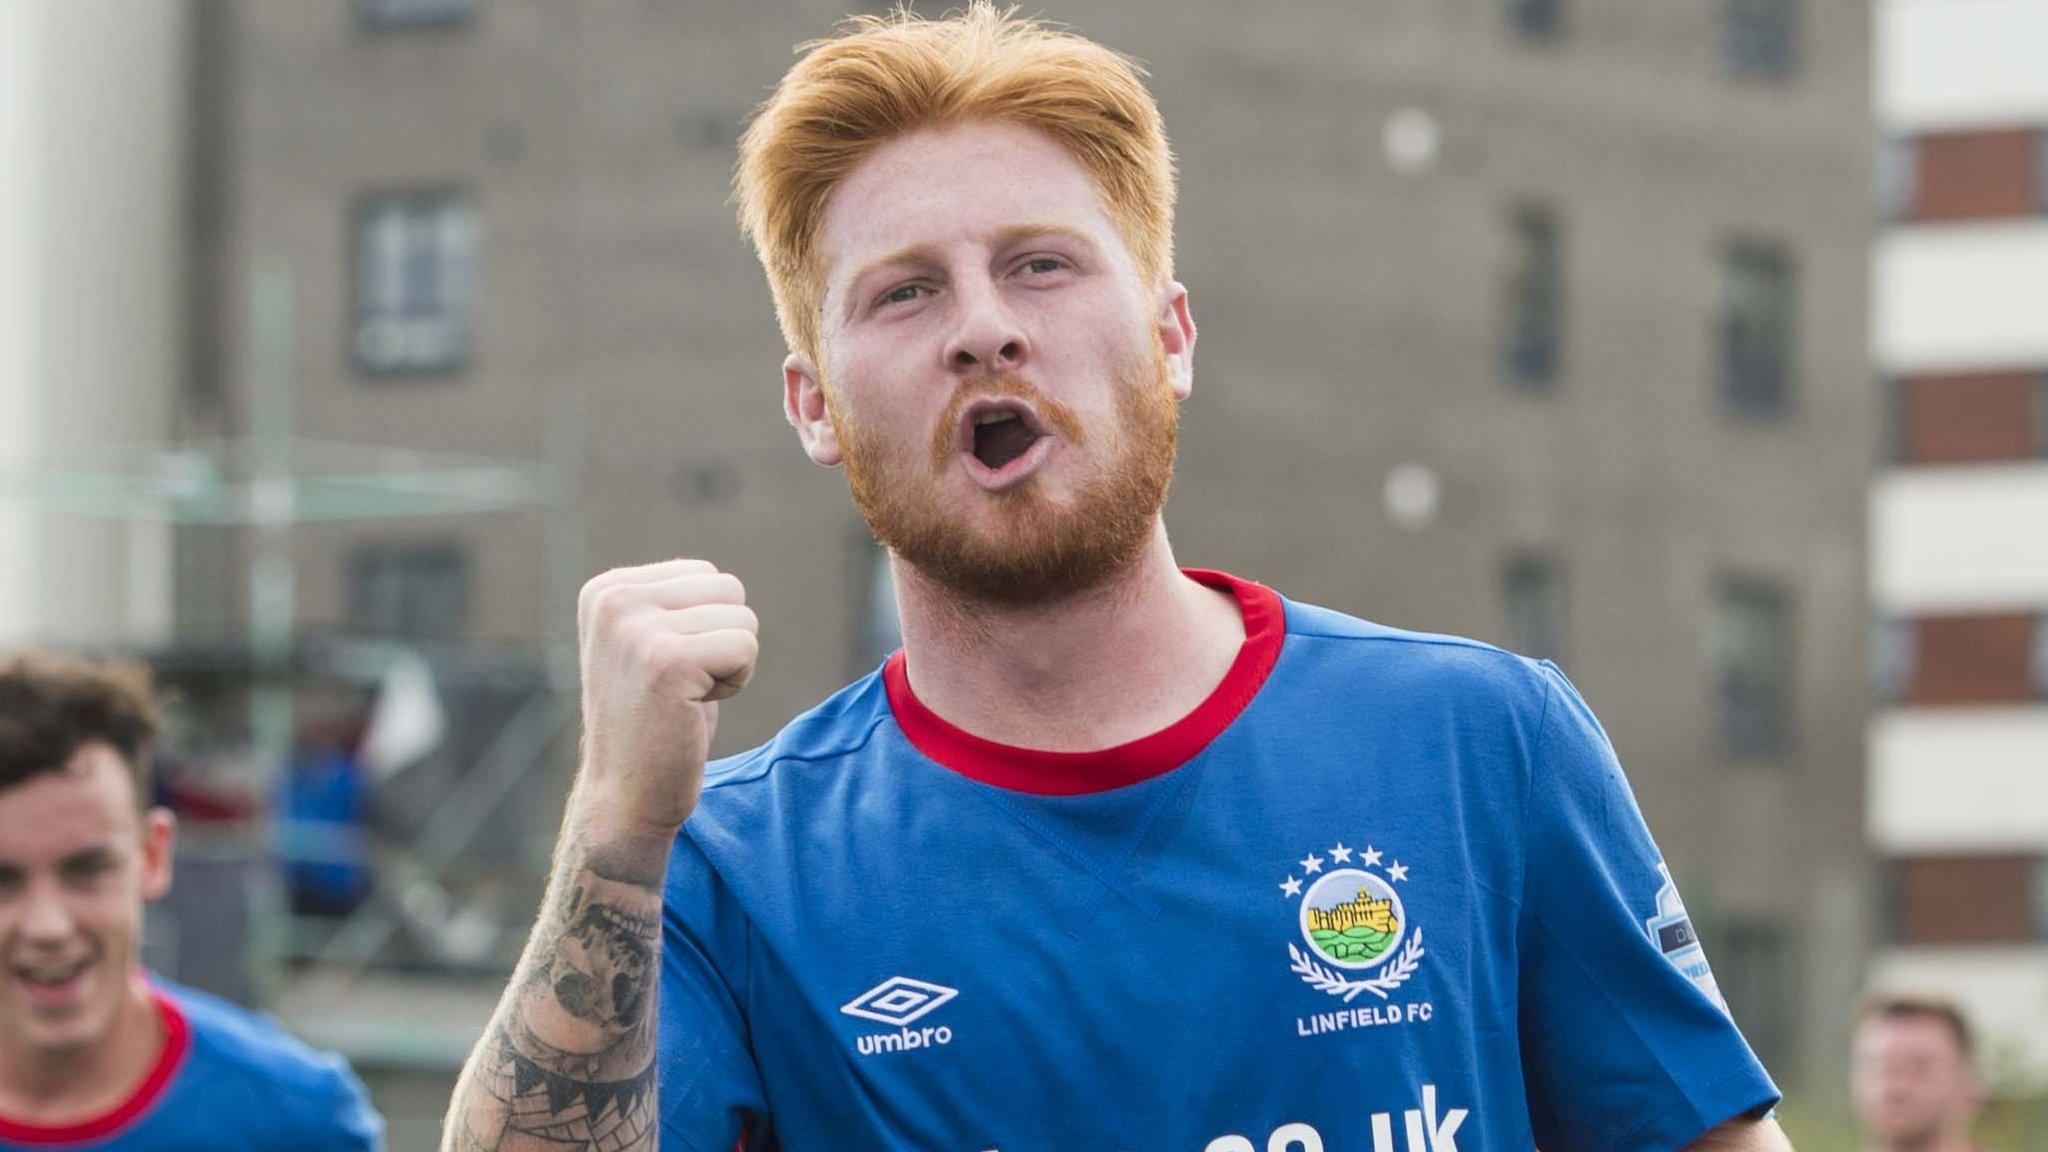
column 1292, row 887
column 1372, row 856
column 1340, row 853
column 1312, row 863
column 1398, row 872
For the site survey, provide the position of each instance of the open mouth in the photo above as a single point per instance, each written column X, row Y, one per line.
column 52, row 985
column 1000, row 433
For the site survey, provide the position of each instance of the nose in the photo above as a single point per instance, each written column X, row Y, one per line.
column 46, row 918
column 988, row 337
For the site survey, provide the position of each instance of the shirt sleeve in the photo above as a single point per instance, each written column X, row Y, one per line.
column 1626, row 1044
column 710, row 1087
column 351, row 1123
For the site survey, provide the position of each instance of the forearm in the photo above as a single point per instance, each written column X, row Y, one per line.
column 569, row 1054
column 1743, row 1136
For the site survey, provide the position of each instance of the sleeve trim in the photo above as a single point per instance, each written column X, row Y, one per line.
column 1710, row 1106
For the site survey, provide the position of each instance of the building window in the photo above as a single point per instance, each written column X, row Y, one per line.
column 1533, row 594
column 1898, row 178
column 2040, row 421
column 415, row 272
column 390, row 14
column 414, row 589
column 881, row 631
column 1892, row 658
column 2039, row 664
column 1753, row 963
column 2041, row 171
column 1759, row 299
column 1753, row 657
column 1759, row 38
column 1536, row 19
column 1535, row 298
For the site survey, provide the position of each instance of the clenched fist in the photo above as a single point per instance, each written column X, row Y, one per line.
column 660, row 645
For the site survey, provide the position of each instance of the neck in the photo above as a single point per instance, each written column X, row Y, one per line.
column 51, row 1089
column 1114, row 662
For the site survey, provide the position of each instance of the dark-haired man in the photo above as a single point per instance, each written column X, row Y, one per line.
column 1913, row 1077
column 95, row 1054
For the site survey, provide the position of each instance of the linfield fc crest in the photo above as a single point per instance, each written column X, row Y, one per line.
column 1354, row 932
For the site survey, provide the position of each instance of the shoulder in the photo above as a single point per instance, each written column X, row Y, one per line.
column 1426, row 668
column 839, row 727
column 300, row 1086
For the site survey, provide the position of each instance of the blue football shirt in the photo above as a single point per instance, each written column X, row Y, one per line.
column 1382, row 891
column 227, row 1080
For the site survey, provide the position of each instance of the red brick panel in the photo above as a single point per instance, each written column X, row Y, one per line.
column 1972, row 659
column 1966, row 899
column 1969, row 418
column 1977, row 175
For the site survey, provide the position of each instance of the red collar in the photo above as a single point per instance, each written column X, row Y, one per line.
column 1075, row 773
column 177, row 1040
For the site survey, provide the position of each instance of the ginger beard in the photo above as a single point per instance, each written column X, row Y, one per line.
column 1032, row 548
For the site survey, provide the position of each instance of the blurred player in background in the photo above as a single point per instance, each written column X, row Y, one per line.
column 1913, row 1076
column 95, row 1053
column 1111, row 855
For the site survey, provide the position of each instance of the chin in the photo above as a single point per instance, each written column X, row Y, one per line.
column 78, row 1028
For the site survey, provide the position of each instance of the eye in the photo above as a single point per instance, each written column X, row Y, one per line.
column 1040, row 265
column 901, row 294
column 86, row 869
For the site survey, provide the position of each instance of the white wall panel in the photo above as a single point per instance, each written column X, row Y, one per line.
column 1958, row 63
column 1960, row 539
column 1959, row 780
column 1958, row 297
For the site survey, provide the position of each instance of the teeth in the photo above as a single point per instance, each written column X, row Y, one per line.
column 996, row 417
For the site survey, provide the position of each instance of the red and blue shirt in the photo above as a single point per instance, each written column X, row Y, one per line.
column 1381, row 892
column 226, row 1080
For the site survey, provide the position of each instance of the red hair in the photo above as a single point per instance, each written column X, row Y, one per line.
column 886, row 76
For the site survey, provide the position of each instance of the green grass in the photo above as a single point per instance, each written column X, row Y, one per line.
column 1354, row 943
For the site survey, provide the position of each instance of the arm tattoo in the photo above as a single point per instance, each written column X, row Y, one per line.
column 568, row 1060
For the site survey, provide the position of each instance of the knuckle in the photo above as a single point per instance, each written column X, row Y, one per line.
column 663, row 662
column 609, row 602
column 727, row 587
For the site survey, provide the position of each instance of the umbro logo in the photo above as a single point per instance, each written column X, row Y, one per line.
column 897, row 1002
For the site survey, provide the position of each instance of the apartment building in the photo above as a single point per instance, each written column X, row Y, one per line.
column 1958, row 791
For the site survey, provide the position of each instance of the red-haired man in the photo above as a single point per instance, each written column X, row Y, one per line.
column 1111, row 854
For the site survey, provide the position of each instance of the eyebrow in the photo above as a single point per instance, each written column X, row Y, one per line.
column 928, row 254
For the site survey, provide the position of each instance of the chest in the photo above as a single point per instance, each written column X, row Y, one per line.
column 1203, row 956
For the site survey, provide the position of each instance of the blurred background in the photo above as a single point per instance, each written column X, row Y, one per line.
column 1700, row 345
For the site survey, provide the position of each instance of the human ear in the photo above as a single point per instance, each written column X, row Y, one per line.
column 1176, row 326
column 804, row 406
column 159, row 837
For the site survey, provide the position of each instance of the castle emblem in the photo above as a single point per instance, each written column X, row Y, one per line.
column 1353, row 923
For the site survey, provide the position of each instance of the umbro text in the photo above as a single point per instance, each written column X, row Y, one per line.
column 902, row 1040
